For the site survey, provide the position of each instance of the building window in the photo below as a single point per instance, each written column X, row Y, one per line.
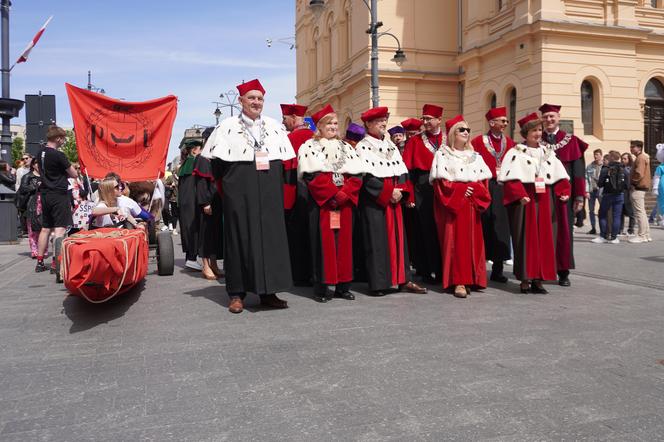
column 492, row 101
column 587, row 107
column 501, row 4
column 512, row 111
column 654, row 90
column 653, row 3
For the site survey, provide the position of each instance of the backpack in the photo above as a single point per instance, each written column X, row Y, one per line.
column 616, row 181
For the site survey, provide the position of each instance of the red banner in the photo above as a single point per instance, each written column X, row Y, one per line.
column 128, row 138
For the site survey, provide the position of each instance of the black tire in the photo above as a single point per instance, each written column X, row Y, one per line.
column 57, row 251
column 165, row 254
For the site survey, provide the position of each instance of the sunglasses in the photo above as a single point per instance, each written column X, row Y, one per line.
column 464, row 129
column 502, row 121
column 25, row 158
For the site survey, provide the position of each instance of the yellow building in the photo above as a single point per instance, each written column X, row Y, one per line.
column 602, row 60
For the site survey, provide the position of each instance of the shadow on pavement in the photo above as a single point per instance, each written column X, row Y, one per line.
column 219, row 296
column 653, row 258
column 85, row 315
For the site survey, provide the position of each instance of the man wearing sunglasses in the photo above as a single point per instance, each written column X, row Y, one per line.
column 492, row 146
column 418, row 157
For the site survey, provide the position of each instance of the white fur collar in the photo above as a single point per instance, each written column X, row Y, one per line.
column 381, row 157
column 327, row 155
column 527, row 163
column 465, row 166
column 229, row 141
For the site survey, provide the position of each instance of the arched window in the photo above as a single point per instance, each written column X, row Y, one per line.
column 587, row 107
column 492, row 101
column 654, row 90
column 512, row 111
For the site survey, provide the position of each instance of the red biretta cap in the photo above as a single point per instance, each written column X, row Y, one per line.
column 527, row 118
column 376, row 112
column 549, row 108
column 496, row 112
column 451, row 122
column 253, row 85
column 412, row 124
column 432, row 110
column 321, row 113
column 293, row 109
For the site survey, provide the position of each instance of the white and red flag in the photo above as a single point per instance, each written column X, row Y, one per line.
column 24, row 56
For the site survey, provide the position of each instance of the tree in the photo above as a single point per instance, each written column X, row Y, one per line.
column 69, row 148
column 17, row 149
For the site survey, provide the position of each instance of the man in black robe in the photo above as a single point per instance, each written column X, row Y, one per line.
column 249, row 150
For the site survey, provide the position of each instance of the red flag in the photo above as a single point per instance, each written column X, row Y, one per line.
column 24, row 56
column 129, row 138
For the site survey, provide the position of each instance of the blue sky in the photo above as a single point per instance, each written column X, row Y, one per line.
column 143, row 49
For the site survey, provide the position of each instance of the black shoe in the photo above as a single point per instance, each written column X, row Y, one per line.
column 564, row 282
column 377, row 293
column 321, row 299
column 498, row 278
column 592, row 232
column 41, row 267
column 345, row 295
column 535, row 288
column 523, row 289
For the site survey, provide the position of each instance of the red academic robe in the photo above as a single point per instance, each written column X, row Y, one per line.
column 297, row 139
column 333, row 260
column 383, row 234
column 489, row 159
column 572, row 157
column 425, row 252
column 533, row 228
column 460, row 231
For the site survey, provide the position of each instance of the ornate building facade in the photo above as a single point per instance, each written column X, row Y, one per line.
column 602, row 60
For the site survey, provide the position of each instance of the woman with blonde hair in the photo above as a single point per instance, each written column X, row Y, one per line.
column 332, row 171
column 534, row 181
column 459, row 175
column 110, row 209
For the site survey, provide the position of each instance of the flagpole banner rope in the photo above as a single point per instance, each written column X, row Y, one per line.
column 129, row 138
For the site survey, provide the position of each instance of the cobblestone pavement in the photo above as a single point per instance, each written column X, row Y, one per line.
column 168, row 362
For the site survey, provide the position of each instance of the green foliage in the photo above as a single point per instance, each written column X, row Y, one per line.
column 69, row 148
column 17, row 149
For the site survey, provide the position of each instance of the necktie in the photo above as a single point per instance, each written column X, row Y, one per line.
column 552, row 138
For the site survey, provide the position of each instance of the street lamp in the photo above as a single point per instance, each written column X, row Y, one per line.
column 399, row 56
column 92, row 87
column 217, row 112
column 229, row 100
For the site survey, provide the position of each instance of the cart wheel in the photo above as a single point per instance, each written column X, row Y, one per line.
column 57, row 251
column 165, row 254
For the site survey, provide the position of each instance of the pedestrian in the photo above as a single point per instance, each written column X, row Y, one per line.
column 189, row 213
column 570, row 151
column 296, row 195
column 592, row 189
column 534, row 181
column 640, row 182
column 29, row 202
column 171, row 206
column 332, row 171
column 26, row 167
column 250, row 149
column 381, row 217
column 418, row 157
column 613, row 182
column 458, row 175
column 210, row 228
column 658, row 183
column 7, row 178
column 398, row 137
column 628, row 211
column 55, row 171
column 412, row 126
column 493, row 146
column 112, row 209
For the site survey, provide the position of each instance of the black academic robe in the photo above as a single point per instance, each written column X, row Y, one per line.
column 255, row 244
column 383, row 233
column 189, row 214
column 210, row 232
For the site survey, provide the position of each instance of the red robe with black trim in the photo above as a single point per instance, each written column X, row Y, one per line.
column 333, row 262
column 572, row 157
column 459, row 222
column 532, row 229
column 423, row 233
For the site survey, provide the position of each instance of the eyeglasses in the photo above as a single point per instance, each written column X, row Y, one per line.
column 464, row 129
column 118, row 187
column 504, row 121
column 25, row 158
column 425, row 119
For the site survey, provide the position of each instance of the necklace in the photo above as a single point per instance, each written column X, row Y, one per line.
column 246, row 133
column 498, row 156
column 466, row 159
column 428, row 144
column 558, row 145
column 337, row 178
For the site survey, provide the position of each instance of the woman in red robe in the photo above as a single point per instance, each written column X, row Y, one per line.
column 534, row 181
column 332, row 171
column 459, row 176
